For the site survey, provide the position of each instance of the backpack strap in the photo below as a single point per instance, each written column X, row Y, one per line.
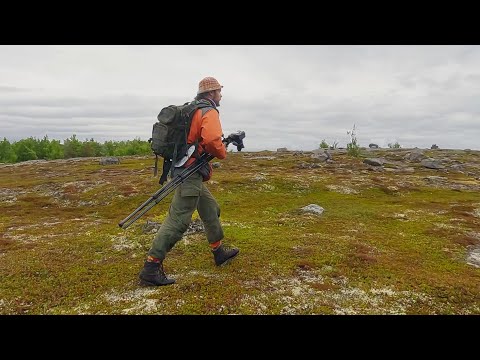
column 166, row 168
column 155, row 169
column 174, row 158
column 205, row 106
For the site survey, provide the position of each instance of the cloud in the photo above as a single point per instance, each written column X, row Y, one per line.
column 291, row 96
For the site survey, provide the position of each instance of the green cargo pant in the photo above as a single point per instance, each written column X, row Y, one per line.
column 191, row 195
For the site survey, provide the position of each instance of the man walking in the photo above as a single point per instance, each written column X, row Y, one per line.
column 206, row 132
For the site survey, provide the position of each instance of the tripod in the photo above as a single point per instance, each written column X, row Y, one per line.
column 235, row 138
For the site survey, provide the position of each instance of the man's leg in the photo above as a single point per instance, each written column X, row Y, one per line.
column 184, row 203
column 209, row 212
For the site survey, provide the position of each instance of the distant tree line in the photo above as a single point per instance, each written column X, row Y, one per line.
column 33, row 149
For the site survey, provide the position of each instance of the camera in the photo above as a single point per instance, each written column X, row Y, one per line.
column 236, row 139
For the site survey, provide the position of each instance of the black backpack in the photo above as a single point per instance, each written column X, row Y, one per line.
column 170, row 132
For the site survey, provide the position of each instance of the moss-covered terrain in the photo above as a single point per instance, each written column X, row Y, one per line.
column 396, row 238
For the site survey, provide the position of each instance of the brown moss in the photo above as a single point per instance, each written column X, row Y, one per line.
column 361, row 254
column 5, row 243
column 440, row 232
column 302, row 251
column 305, row 265
column 127, row 190
column 465, row 240
column 464, row 214
column 71, row 189
column 461, row 209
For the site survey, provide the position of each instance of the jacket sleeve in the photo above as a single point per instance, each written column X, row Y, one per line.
column 211, row 133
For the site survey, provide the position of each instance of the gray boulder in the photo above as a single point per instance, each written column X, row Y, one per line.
column 109, row 161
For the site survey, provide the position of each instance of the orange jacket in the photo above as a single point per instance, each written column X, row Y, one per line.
column 208, row 131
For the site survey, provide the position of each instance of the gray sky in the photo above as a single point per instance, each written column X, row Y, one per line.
column 282, row 96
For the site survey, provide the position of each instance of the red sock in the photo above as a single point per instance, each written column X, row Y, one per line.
column 215, row 245
column 153, row 259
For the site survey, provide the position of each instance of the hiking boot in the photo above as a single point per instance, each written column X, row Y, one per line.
column 223, row 255
column 152, row 274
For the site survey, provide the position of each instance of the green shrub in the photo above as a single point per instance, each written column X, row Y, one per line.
column 353, row 149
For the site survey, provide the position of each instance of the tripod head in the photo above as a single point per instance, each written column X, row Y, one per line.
column 236, row 139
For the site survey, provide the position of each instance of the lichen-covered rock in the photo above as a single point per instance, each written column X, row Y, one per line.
column 109, row 161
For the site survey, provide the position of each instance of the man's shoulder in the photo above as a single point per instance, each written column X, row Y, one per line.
column 206, row 103
column 205, row 107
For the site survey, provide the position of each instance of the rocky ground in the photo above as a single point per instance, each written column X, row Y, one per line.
column 394, row 231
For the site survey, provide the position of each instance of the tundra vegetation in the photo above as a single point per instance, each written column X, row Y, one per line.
column 398, row 233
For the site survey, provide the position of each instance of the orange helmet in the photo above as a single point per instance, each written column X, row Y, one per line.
column 208, row 84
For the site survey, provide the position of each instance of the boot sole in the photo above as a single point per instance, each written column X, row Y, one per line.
column 226, row 262
column 148, row 283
